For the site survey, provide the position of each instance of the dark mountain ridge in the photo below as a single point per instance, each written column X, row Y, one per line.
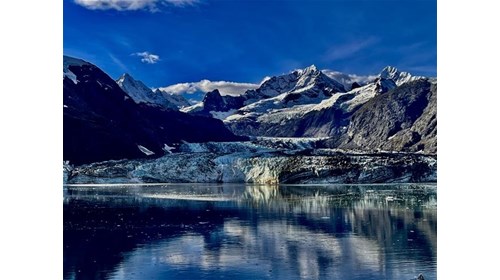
column 101, row 122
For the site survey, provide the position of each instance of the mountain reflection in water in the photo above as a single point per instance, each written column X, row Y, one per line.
column 250, row 232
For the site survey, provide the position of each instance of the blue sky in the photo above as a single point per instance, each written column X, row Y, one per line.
column 165, row 42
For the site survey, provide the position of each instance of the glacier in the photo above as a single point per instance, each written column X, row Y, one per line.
column 261, row 161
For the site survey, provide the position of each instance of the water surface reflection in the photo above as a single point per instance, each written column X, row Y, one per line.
column 257, row 232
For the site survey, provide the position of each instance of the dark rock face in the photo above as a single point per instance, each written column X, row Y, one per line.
column 329, row 122
column 101, row 122
column 214, row 101
column 384, row 85
column 355, row 85
column 403, row 119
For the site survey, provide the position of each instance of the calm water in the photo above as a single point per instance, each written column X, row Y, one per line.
column 250, row 232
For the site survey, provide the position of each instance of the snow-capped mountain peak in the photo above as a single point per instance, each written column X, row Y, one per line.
column 125, row 78
column 398, row 77
column 389, row 72
column 307, row 76
column 138, row 91
column 302, row 80
column 310, row 70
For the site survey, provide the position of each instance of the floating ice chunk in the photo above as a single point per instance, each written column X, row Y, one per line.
column 167, row 148
column 145, row 150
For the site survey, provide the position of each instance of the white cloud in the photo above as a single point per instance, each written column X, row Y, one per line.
column 132, row 5
column 225, row 88
column 180, row 88
column 148, row 57
column 348, row 79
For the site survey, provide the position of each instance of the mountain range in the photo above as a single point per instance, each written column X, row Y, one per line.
column 103, row 122
column 105, row 119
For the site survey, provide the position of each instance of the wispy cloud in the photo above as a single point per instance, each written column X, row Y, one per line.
column 225, row 88
column 349, row 49
column 147, row 57
column 119, row 63
column 133, row 5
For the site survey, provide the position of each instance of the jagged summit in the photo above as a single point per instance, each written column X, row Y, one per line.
column 301, row 79
column 125, row 77
column 212, row 94
column 398, row 77
column 213, row 101
column 312, row 69
column 138, row 91
column 389, row 72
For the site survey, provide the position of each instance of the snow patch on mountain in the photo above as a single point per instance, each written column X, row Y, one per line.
column 193, row 108
column 273, row 110
column 71, row 61
column 361, row 96
column 67, row 73
column 222, row 115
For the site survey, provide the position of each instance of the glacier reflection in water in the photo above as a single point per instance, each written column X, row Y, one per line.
column 190, row 231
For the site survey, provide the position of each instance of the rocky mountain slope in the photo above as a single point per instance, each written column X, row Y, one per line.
column 334, row 114
column 403, row 119
column 101, row 122
column 140, row 93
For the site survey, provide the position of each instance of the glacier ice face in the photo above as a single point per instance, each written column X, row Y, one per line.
column 261, row 163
